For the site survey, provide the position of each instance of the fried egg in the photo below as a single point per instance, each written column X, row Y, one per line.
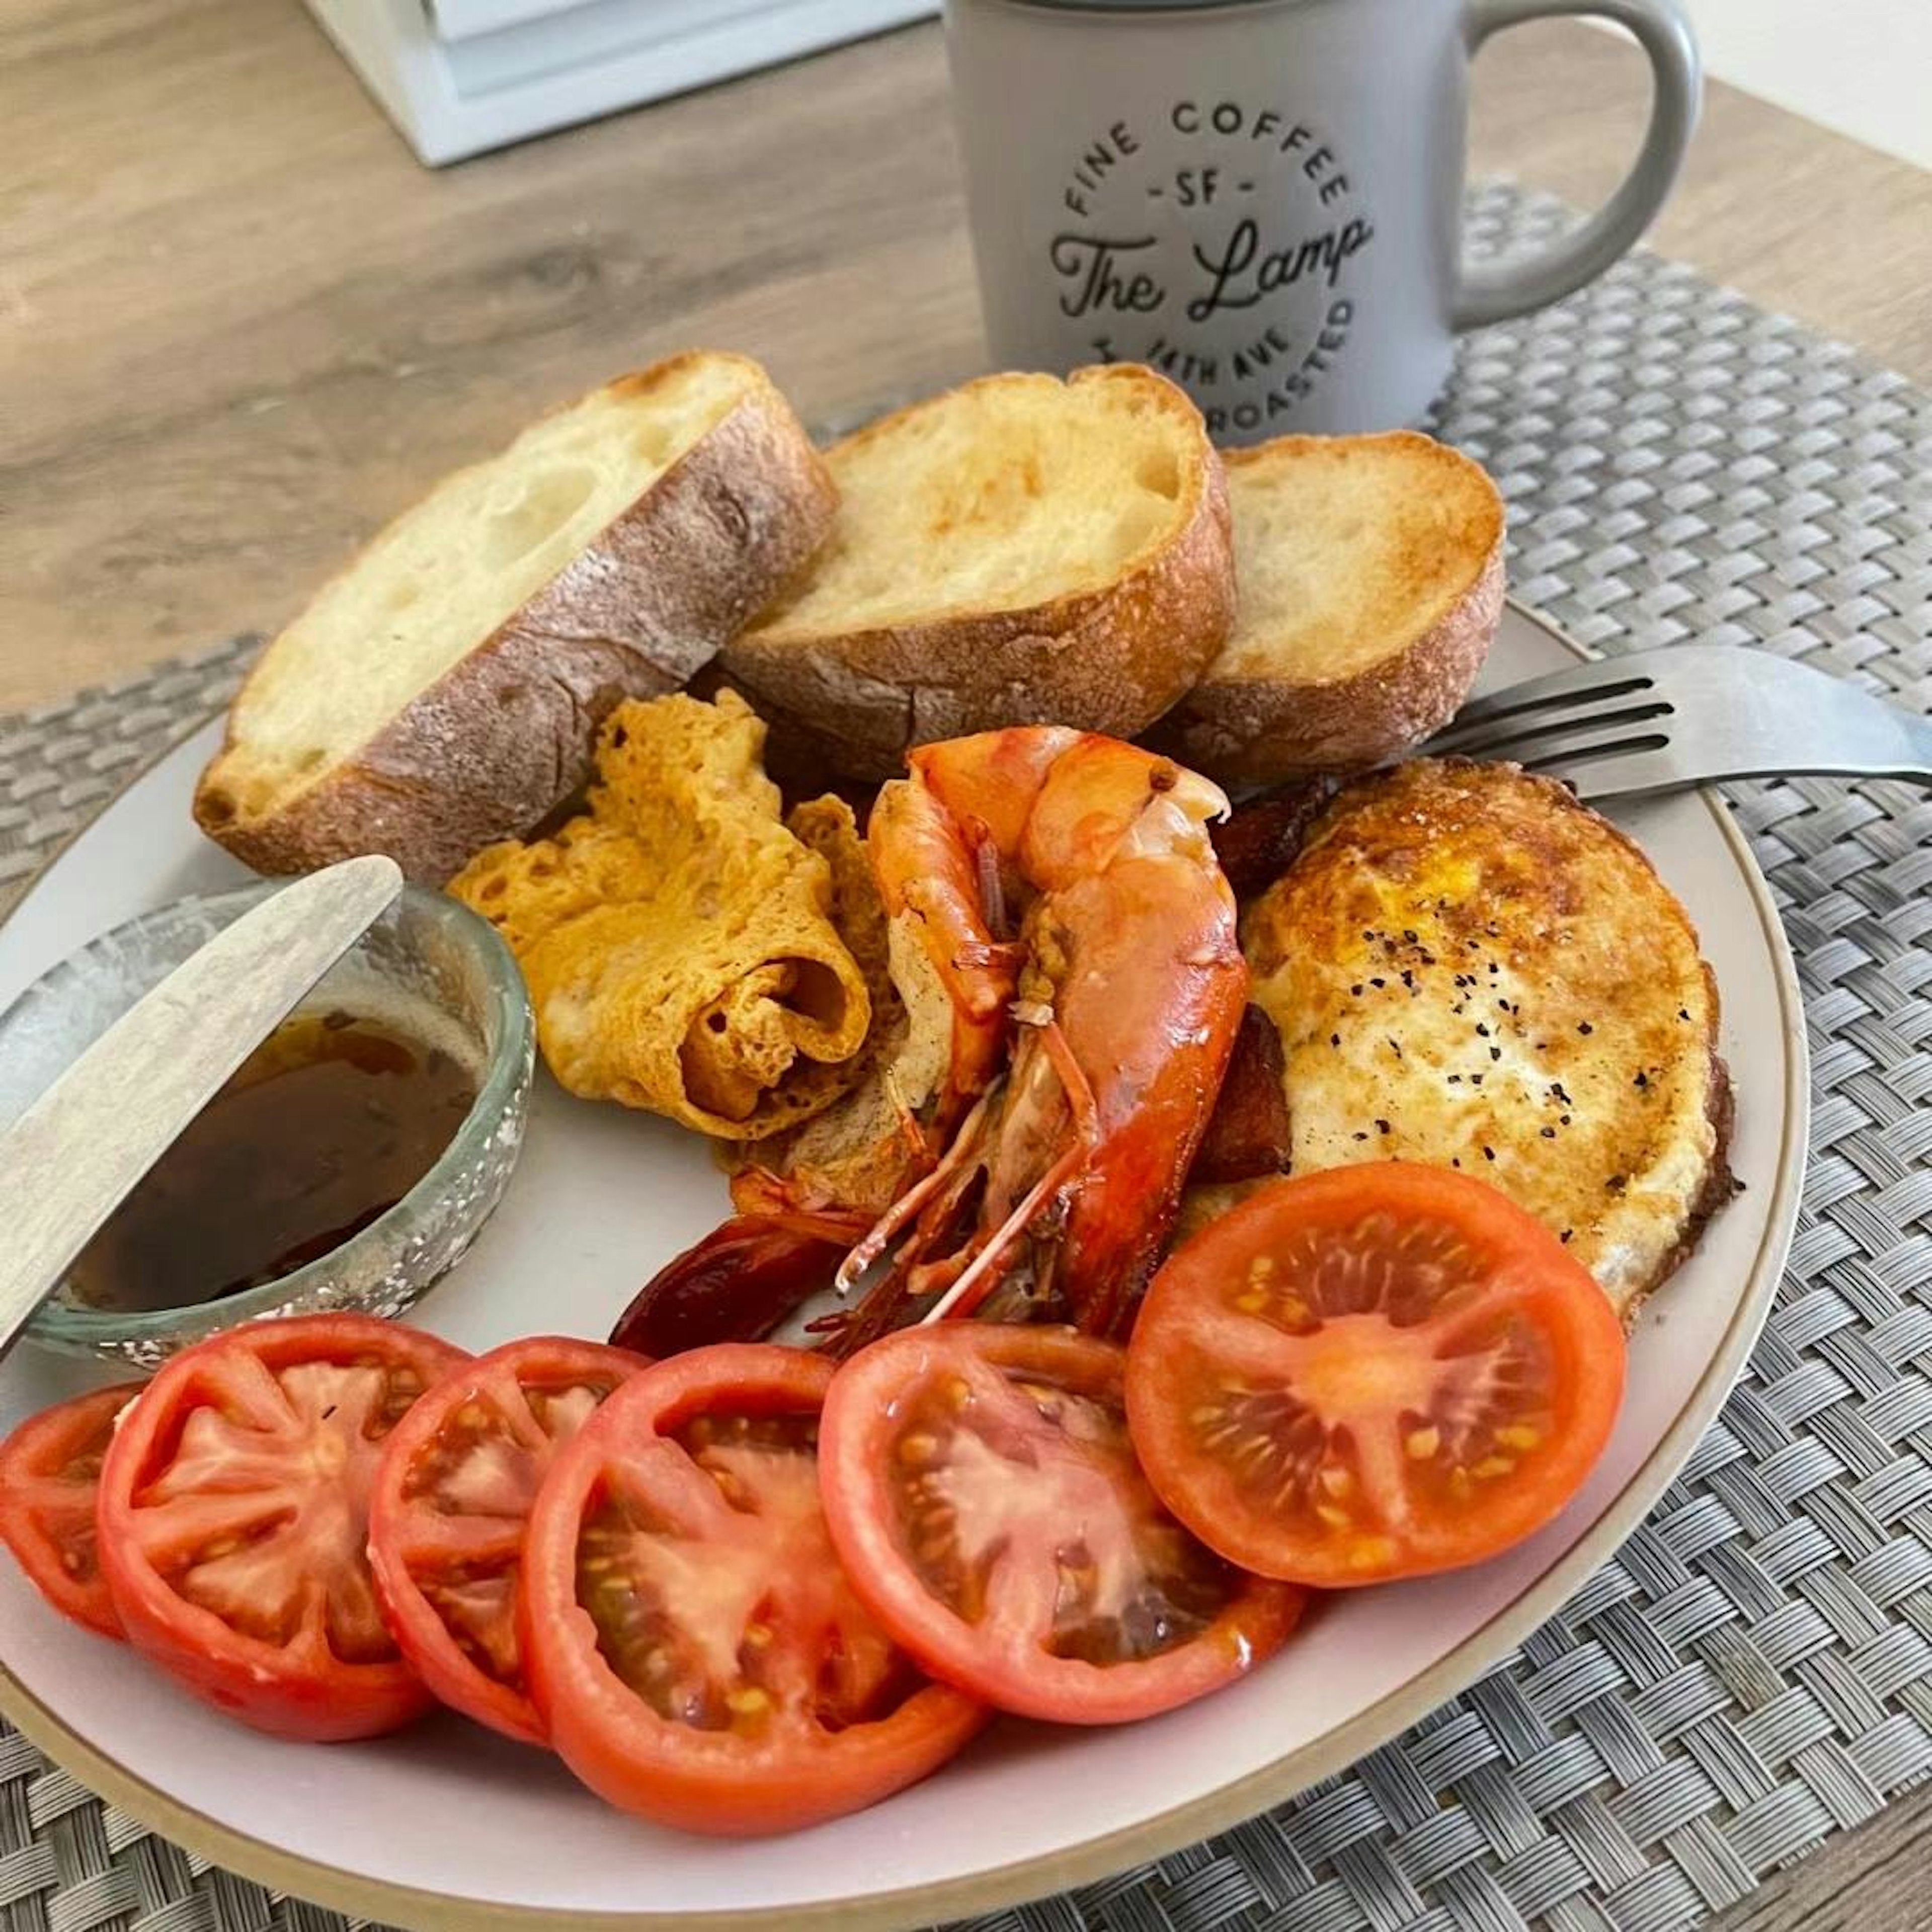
column 1468, row 967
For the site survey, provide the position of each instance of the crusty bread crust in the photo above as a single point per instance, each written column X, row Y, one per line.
column 1111, row 660
column 1251, row 731
column 506, row 734
column 1245, row 731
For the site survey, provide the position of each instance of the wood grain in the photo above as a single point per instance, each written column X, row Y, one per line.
column 240, row 326
column 1876, row 1879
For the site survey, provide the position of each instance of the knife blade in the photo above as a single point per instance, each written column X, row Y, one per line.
column 75, row 1155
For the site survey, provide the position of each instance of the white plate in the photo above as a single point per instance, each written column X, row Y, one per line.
column 447, row 1826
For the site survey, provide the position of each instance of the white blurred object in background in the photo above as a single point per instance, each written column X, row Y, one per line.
column 1861, row 67
column 457, row 76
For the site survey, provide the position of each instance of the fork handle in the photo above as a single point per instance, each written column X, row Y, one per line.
column 1881, row 742
column 1919, row 773
column 1885, row 743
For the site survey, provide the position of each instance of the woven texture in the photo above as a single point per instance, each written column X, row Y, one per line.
column 1753, row 1673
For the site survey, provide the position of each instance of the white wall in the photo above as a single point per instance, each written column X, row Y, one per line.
column 1863, row 68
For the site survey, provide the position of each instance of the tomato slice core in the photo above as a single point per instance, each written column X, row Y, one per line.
column 451, row 1497
column 696, row 1651
column 233, row 1520
column 697, row 1636
column 982, row 1488
column 49, row 1480
column 1113, row 1577
column 1376, row 1371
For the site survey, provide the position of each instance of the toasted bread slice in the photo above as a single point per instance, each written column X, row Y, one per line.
column 1019, row 550
column 1468, row 967
column 1371, row 570
column 445, row 690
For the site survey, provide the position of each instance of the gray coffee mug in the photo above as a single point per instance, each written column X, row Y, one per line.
column 1262, row 198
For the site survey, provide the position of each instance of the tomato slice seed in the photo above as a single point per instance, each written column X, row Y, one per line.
column 982, row 1487
column 1376, row 1371
column 450, row 1506
column 236, row 1519
column 696, row 1649
column 1122, row 1582
column 691, row 1628
column 234, row 1511
column 49, row 1483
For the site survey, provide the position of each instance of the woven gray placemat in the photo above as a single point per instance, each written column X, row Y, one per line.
column 1754, row 1672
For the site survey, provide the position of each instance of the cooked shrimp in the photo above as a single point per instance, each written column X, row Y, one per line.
column 1058, row 1184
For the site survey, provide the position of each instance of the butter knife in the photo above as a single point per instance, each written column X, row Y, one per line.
column 75, row 1155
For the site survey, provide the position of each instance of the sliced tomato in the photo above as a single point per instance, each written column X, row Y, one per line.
column 50, row 1477
column 451, row 1498
column 1376, row 1372
column 233, row 1519
column 695, row 1651
column 985, row 1499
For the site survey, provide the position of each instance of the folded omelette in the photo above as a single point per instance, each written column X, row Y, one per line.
column 860, row 1152
column 677, row 940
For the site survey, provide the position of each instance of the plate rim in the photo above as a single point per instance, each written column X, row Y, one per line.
column 293, row 1873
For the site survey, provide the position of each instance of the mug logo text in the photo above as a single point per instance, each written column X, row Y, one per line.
column 1233, row 287
column 1272, row 229
column 1093, row 264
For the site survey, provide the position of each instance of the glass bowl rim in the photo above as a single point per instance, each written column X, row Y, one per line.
column 506, row 1000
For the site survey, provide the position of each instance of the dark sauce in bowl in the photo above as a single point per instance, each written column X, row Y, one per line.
column 329, row 1123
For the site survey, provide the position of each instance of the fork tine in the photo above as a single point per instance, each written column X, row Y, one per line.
column 1632, row 776
column 1587, row 741
column 1683, row 715
column 1525, row 734
column 1605, row 677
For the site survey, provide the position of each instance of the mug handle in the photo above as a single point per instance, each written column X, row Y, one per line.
column 1509, row 288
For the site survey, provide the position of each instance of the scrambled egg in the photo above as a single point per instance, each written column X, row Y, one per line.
column 681, row 945
column 1466, row 967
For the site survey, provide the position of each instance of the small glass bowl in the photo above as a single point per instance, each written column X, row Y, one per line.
column 426, row 957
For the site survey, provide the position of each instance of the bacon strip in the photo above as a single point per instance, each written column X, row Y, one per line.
column 1247, row 1133
column 1257, row 841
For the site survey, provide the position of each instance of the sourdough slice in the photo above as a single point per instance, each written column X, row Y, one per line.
column 1372, row 581
column 1022, row 550
column 445, row 690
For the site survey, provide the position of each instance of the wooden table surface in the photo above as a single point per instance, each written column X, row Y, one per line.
column 240, row 327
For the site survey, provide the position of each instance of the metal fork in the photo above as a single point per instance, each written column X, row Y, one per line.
column 1690, row 714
